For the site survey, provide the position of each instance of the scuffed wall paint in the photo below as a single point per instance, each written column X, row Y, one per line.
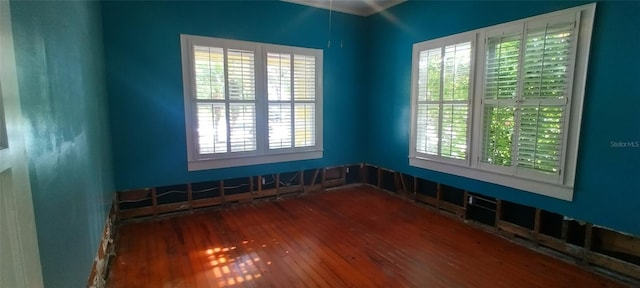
column 59, row 55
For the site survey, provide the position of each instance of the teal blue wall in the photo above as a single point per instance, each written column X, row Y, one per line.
column 59, row 56
column 367, row 91
column 144, row 76
column 607, row 189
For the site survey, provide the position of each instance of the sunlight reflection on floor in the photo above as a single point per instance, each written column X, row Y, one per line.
column 229, row 269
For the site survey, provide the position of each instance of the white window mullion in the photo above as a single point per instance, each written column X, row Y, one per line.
column 515, row 139
column 440, row 99
column 569, row 104
column 192, row 119
column 477, row 104
column 226, row 97
column 262, row 125
column 292, row 95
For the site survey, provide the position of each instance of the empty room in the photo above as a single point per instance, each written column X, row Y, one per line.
column 319, row 143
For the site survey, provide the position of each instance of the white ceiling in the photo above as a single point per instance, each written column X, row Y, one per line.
column 357, row 7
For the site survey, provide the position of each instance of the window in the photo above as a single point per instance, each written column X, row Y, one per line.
column 506, row 110
column 250, row 103
column 443, row 95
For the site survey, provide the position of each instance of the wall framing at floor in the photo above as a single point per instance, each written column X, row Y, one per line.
column 597, row 248
column 106, row 250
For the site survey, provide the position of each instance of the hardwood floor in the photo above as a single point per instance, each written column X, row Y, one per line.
column 355, row 237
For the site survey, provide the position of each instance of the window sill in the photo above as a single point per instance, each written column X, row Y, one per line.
column 537, row 187
column 252, row 160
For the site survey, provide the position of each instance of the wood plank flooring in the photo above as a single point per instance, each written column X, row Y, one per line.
column 355, row 237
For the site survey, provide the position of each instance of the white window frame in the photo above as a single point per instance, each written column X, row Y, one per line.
column 262, row 154
column 4, row 141
column 562, row 187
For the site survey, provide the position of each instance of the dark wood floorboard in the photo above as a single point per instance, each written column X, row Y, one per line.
column 355, row 237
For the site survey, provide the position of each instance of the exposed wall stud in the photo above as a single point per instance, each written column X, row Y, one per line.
column 154, row 200
column 498, row 212
column 251, row 188
column 536, row 226
column 190, row 197
column 588, row 238
column 277, row 179
column 221, row 187
column 438, row 195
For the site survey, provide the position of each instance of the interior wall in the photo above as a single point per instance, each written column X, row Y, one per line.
column 144, row 77
column 59, row 57
column 606, row 188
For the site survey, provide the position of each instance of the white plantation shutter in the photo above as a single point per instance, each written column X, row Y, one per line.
column 305, row 124
column 304, row 81
column 528, row 80
column 549, row 56
column 211, row 116
column 442, row 108
column 540, row 138
column 241, row 100
column 304, row 100
column 428, row 109
column 502, row 70
column 241, row 74
column 279, row 100
column 291, row 118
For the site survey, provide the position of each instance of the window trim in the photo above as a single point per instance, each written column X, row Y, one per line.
column 262, row 154
column 478, row 170
column 4, row 140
